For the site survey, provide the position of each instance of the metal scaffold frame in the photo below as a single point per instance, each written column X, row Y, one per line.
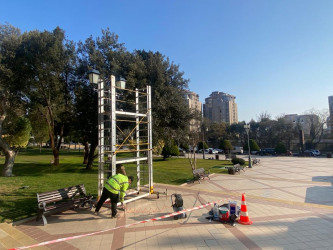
column 113, row 140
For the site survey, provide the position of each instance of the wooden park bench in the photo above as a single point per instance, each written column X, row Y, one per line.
column 200, row 174
column 61, row 200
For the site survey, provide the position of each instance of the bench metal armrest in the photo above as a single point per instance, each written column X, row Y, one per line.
column 42, row 205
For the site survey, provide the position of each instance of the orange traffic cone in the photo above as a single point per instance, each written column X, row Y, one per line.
column 244, row 216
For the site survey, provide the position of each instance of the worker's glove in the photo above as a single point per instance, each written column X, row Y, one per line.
column 123, row 206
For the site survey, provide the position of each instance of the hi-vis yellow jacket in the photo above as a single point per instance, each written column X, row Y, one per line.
column 117, row 184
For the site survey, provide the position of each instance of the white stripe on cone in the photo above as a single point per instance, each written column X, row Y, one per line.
column 244, row 213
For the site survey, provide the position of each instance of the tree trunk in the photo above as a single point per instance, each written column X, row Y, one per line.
column 86, row 153
column 9, row 157
column 55, row 151
column 91, row 156
column 4, row 147
column 9, row 163
column 55, row 157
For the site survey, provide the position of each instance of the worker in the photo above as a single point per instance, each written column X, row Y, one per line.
column 114, row 189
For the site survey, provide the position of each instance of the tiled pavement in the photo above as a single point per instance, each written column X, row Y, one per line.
column 289, row 199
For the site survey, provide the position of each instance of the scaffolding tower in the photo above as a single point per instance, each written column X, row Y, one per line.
column 125, row 135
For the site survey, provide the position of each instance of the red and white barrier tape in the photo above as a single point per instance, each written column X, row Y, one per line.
column 124, row 226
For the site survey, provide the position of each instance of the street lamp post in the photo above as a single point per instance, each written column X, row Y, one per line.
column 98, row 84
column 203, row 143
column 247, row 129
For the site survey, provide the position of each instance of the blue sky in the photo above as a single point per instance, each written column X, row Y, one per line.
column 274, row 56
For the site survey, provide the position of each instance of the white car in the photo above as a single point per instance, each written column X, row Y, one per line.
column 237, row 150
column 219, row 151
column 314, row 152
column 212, row 151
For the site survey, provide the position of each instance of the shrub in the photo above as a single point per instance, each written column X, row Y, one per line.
column 239, row 161
column 280, row 148
column 202, row 145
column 253, row 145
column 174, row 151
column 170, row 150
column 226, row 146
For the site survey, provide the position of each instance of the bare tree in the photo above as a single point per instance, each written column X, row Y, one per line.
column 193, row 141
column 317, row 120
column 264, row 116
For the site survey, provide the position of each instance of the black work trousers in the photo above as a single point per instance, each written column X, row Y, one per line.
column 114, row 198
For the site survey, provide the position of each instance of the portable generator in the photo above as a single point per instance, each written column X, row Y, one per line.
column 224, row 214
column 177, row 205
column 228, row 213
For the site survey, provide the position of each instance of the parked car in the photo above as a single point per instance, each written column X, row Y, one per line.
column 289, row 153
column 237, row 150
column 267, row 151
column 295, row 154
column 219, row 151
column 212, row 151
column 312, row 152
column 206, row 151
column 182, row 150
column 316, row 152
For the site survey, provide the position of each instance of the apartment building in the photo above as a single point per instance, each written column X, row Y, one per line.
column 303, row 121
column 194, row 105
column 221, row 107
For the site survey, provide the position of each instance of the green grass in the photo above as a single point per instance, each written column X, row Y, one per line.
column 34, row 174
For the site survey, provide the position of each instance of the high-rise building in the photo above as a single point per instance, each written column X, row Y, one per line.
column 194, row 105
column 221, row 107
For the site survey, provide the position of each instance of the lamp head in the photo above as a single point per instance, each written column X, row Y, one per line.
column 120, row 82
column 93, row 76
column 247, row 127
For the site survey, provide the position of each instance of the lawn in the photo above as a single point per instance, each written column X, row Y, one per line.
column 34, row 173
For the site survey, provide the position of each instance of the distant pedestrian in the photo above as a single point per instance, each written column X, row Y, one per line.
column 114, row 189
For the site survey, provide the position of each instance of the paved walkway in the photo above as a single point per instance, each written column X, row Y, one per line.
column 289, row 199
